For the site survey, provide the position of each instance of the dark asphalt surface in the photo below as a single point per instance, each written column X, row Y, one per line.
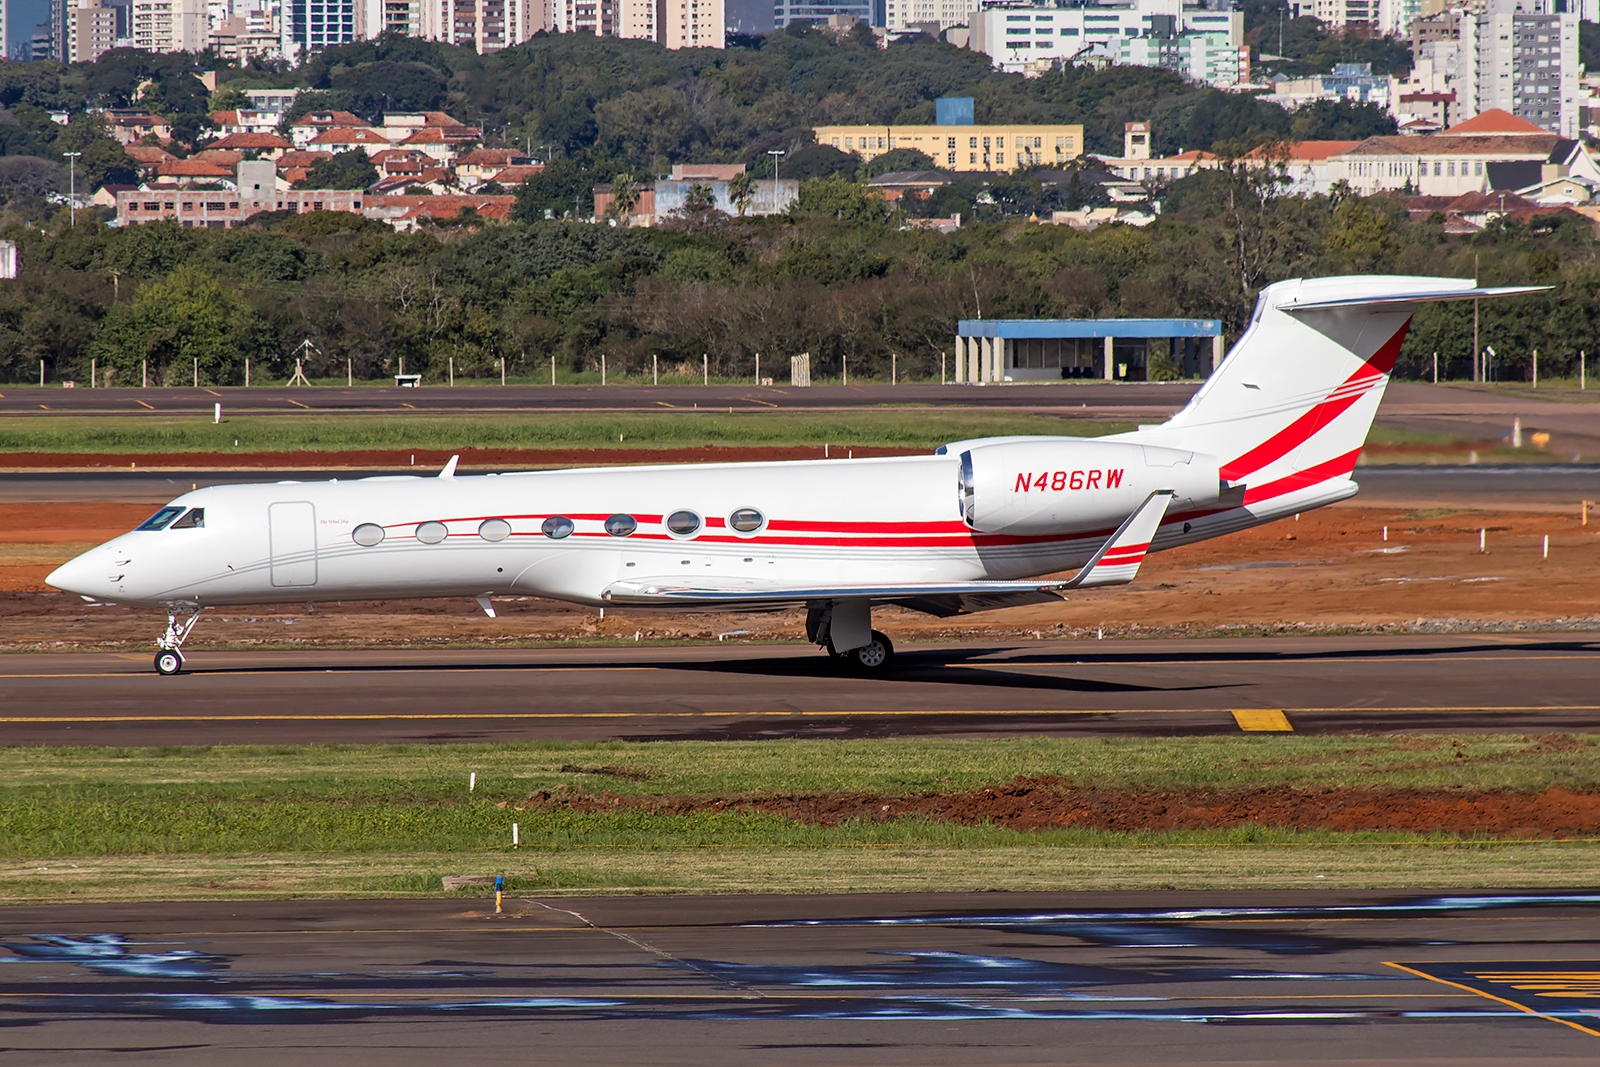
column 995, row 979
column 1528, row 683
column 525, row 398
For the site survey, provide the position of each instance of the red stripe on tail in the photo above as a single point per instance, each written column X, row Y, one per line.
column 1307, row 426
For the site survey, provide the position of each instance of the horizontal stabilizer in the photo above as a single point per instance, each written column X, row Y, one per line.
column 1422, row 296
column 1117, row 562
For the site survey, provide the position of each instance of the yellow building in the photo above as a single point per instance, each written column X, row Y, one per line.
column 963, row 147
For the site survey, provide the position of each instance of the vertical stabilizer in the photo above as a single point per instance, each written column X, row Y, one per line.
column 1291, row 405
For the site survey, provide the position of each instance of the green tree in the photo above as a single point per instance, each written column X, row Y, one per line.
column 186, row 317
column 624, row 197
column 742, row 190
column 227, row 98
column 342, row 170
column 843, row 199
column 898, row 159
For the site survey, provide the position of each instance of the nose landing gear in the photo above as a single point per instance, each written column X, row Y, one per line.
column 169, row 660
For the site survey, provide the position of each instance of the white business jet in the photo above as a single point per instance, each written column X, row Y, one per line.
column 1276, row 430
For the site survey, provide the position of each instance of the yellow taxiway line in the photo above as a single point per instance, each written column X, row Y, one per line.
column 1490, row 996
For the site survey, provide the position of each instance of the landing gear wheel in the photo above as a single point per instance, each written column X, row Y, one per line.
column 871, row 658
column 169, row 662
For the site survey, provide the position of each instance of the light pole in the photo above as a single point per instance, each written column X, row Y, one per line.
column 72, row 187
column 775, row 153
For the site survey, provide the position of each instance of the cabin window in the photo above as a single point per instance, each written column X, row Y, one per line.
column 683, row 523
column 367, row 534
column 431, row 533
column 159, row 520
column 621, row 525
column 195, row 520
column 747, row 520
column 557, row 527
column 494, row 529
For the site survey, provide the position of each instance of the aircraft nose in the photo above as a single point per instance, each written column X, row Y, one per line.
column 84, row 575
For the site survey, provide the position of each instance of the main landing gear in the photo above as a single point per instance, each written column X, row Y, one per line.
column 844, row 628
column 169, row 660
column 875, row 655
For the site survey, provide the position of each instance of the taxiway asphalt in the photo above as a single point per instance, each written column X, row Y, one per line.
column 1002, row 979
column 1517, row 683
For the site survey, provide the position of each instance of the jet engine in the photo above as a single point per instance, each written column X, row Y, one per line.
column 1050, row 485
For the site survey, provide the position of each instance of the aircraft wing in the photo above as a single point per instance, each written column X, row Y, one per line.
column 936, row 598
column 1116, row 563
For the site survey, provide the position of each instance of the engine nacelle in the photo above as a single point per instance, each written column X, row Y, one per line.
column 1063, row 484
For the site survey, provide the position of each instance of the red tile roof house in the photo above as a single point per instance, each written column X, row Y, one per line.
column 183, row 172
column 401, row 162
column 256, row 145
column 312, row 123
column 516, row 175
column 148, row 157
column 132, row 128
column 443, row 145
column 407, row 213
column 477, row 165
column 347, row 139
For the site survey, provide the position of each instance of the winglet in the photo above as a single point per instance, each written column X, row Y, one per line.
column 450, row 468
column 1118, row 560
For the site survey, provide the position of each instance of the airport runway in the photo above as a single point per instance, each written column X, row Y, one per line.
column 996, row 979
column 1529, row 683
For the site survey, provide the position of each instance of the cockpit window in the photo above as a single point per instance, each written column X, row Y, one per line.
column 159, row 520
column 196, row 519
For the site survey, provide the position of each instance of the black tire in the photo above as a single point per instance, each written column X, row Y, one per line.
column 874, row 657
column 169, row 662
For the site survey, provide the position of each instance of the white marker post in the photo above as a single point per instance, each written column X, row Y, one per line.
column 1483, row 538
column 1546, row 554
column 516, row 837
column 216, row 413
column 472, row 782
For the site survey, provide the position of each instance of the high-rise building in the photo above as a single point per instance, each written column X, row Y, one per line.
column 312, row 25
column 170, row 25
column 901, row 16
column 1028, row 39
column 1521, row 56
column 482, row 24
column 91, row 31
column 873, row 12
column 690, row 23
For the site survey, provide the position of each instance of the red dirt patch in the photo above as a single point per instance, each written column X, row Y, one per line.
column 1049, row 802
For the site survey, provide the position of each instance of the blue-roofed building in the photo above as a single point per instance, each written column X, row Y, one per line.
column 1115, row 350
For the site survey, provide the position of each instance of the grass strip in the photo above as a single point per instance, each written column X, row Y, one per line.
column 510, row 772
column 401, row 430
column 804, row 870
column 383, row 798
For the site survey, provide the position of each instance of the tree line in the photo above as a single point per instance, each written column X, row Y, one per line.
column 843, row 277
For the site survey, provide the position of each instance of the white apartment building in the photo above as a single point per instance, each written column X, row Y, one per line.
column 1521, row 56
column 1024, row 39
column 170, row 25
column 690, row 23
column 1490, row 150
column 1342, row 13
column 1212, row 58
column 484, row 25
column 902, row 16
